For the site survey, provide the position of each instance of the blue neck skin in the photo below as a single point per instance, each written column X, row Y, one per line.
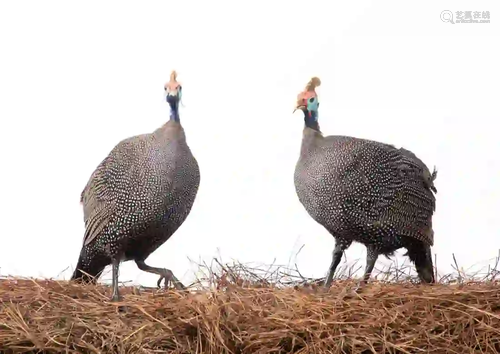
column 311, row 119
column 173, row 102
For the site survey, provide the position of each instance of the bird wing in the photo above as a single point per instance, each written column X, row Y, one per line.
column 413, row 191
column 394, row 185
column 130, row 165
column 98, row 198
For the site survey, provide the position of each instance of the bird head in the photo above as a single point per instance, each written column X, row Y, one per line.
column 307, row 102
column 174, row 98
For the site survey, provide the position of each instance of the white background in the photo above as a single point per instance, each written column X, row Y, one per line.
column 75, row 79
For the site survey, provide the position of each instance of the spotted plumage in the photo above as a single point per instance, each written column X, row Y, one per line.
column 136, row 199
column 368, row 192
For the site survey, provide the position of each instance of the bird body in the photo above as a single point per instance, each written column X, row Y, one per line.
column 368, row 192
column 136, row 199
column 351, row 185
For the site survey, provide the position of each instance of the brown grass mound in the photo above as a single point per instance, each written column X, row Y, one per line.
column 58, row 316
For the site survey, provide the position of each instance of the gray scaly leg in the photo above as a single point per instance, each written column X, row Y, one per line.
column 163, row 273
column 340, row 246
column 371, row 259
column 116, row 295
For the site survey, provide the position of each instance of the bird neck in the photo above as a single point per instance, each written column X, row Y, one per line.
column 311, row 120
column 174, row 115
column 171, row 130
column 311, row 139
column 173, row 101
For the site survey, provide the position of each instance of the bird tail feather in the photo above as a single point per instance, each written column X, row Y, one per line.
column 88, row 273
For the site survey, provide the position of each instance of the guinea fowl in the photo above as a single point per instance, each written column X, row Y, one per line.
column 365, row 191
column 137, row 198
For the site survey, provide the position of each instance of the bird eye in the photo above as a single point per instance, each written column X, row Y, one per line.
column 311, row 100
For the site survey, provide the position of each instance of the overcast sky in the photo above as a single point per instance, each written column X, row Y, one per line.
column 76, row 78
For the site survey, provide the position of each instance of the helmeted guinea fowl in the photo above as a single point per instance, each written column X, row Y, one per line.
column 365, row 191
column 138, row 196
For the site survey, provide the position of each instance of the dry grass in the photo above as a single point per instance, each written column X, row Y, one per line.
column 244, row 310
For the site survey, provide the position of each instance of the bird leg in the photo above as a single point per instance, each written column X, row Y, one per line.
column 116, row 294
column 371, row 259
column 163, row 273
column 340, row 246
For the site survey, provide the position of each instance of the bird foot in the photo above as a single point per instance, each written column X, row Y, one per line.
column 325, row 288
column 170, row 277
column 360, row 286
column 116, row 298
column 327, row 284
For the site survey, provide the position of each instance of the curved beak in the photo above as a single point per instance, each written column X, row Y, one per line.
column 299, row 107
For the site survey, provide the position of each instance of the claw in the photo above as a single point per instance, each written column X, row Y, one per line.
column 169, row 277
column 167, row 282
column 164, row 274
column 158, row 283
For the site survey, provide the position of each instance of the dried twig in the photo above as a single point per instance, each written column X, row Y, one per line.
column 238, row 308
